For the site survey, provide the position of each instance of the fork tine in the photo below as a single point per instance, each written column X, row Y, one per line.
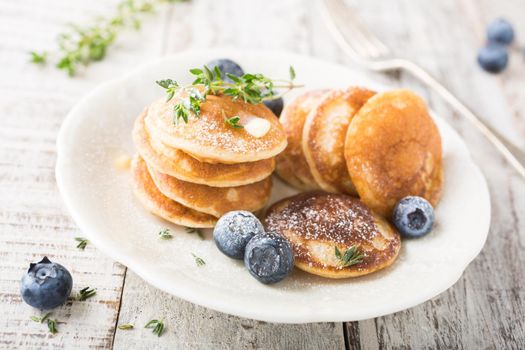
column 359, row 38
column 357, row 44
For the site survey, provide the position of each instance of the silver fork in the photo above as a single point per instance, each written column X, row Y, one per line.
column 366, row 49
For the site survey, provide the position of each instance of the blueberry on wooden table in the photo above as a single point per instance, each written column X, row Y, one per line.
column 269, row 257
column 413, row 216
column 234, row 230
column 493, row 58
column 226, row 66
column 46, row 285
column 500, row 31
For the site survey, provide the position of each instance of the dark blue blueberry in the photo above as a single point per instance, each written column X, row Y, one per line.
column 500, row 31
column 493, row 58
column 234, row 230
column 226, row 66
column 269, row 257
column 46, row 285
column 413, row 216
column 276, row 106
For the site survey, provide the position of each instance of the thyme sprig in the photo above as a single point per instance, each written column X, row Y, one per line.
column 125, row 326
column 234, row 122
column 82, row 45
column 251, row 88
column 86, row 293
column 350, row 257
column 82, row 242
column 194, row 231
column 51, row 324
column 158, row 326
column 165, row 234
column 199, row 261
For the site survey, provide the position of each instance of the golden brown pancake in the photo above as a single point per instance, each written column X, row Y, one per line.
column 174, row 162
column 393, row 150
column 160, row 205
column 209, row 138
column 215, row 201
column 324, row 136
column 291, row 164
column 317, row 222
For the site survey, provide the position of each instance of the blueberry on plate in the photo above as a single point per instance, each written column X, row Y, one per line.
column 413, row 216
column 226, row 66
column 269, row 257
column 46, row 285
column 234, row 230
column 493, row 58
column 276, row 106
column 500, row 31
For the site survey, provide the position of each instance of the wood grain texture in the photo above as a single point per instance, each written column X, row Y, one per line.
column 189, row 326
column 484, row 310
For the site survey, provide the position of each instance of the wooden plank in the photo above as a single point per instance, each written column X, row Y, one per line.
column 485, row 308
column 33, row 220
column 195, row 327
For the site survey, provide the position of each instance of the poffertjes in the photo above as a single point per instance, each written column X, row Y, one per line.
column 160, row 205
column 315, row 223
column 209, row 138
column 393, row 150
column 176, row 163
column 324, row 135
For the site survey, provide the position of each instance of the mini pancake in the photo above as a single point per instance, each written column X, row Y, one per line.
column 393, row 150
column 291, row 164
column 209, row 138
column 317, row 222
column 324, row 137
column 174, row 162
column 215, row 201
column 160, row 205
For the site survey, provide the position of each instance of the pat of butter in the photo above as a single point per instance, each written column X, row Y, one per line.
column 257, row 127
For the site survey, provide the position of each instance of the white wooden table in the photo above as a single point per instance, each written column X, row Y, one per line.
column 485, row 309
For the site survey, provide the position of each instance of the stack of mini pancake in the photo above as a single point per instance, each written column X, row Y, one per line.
column 379, row 146
column 192, row 173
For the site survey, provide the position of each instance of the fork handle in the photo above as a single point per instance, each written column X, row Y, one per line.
column 511, row 153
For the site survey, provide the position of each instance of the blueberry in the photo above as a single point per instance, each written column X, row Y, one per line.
column 500, row 31
column 46, row 285
column 276, row 106
column 493, row 58
column 226, row 66
column 413, row 216
column 234, row 230
column 269, row 257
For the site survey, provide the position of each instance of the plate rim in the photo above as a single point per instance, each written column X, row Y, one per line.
column 223, row 305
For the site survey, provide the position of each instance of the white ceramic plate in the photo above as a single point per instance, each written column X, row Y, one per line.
column 99, row 198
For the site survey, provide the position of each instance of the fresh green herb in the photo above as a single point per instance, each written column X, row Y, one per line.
column 194, row 231
column 82, row 242
column 251, row 88
column 198, row 260
column 350, row 257
column 234, row 122
column 125, row 326
column 52, row 326
column 87, row 44
column 38, row 58
column 158, row 326
column 86, row 293
column 41, row 319
column 165, row 234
